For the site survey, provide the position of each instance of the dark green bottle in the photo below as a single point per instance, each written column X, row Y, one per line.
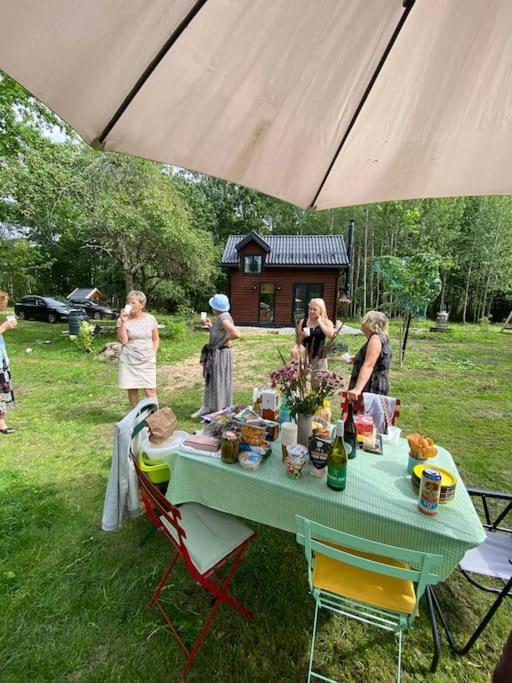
column 350, row 433
column 337, row 461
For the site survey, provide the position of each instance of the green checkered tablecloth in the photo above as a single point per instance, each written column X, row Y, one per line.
column 378, row 503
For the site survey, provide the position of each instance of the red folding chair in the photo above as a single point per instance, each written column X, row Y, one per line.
column 205, row 539
column 358, row 406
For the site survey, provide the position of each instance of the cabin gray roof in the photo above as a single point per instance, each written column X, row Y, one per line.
column 327, row 251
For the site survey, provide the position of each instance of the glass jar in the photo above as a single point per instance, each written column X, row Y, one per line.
column 229, row 447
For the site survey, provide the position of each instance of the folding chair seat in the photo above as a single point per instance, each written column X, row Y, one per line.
column 364, row 580
column 492, row 559
column 205, row 540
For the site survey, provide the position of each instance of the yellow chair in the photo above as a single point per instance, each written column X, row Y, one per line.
column 364, row 580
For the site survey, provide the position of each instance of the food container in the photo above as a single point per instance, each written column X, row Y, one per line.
column 249, row 460
column 430, row 489
column 229, row 447
column 295, row 460
column 253, row 435
column 364, row 425
column 319, row 450
column 448, row 482
column 269, row 400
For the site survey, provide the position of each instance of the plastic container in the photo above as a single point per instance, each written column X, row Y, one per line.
column 295, row 460
column 170, row 446
column 326, row 412
column 394, row 435
column 158, row 471
column 249, row 461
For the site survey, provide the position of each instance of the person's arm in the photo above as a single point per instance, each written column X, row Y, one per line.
column 122, row 332
column 233, row 332
column 155, row 338
column 373, row 352
column 327, row 327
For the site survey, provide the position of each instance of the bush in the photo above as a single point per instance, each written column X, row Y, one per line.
column 84, row 338
column 177, row 330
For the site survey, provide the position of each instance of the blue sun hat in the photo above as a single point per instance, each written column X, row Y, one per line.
column 219, row 302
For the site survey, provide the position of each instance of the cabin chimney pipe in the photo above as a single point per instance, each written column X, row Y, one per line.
column 350, row 248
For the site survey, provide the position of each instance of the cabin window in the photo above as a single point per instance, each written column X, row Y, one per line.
column 253, row 264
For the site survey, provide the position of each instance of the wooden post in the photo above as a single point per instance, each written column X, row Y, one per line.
column 507, row 325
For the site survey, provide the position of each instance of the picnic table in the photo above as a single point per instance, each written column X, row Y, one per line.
column 379, row 502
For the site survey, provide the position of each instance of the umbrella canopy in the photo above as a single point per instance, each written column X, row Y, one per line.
column 323, row 104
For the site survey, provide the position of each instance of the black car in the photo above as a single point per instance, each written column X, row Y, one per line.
column 48, row 308
column 94, row 309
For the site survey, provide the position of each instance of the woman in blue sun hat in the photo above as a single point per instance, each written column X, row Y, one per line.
column 217, row 358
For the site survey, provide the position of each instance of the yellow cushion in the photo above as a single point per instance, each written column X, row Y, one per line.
column 363, row 585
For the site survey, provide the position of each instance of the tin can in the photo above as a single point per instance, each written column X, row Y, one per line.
column 430, row 491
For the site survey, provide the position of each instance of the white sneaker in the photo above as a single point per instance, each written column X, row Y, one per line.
column 199, row 413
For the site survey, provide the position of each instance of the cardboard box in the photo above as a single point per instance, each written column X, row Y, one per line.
column 269, row 400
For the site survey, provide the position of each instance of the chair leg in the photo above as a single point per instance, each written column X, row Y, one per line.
column 222, row 591
column 163, row 581
column 222, row 596
column 399, row 670
column 435, row 630
column 481, row 626
column 313, row 642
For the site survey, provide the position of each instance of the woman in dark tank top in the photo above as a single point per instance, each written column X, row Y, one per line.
column 372, row 362
column 320, row 328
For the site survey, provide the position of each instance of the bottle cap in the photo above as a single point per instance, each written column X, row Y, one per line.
column 340, row 427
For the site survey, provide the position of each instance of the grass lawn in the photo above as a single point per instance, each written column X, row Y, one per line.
column 73, row 599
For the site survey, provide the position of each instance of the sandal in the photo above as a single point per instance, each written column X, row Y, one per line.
column 7, row 430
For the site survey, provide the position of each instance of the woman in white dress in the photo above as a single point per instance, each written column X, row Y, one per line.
column 138, row 333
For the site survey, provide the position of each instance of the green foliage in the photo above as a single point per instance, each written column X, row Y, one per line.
column 177, row 330
column 414, row 280
column 84, row 338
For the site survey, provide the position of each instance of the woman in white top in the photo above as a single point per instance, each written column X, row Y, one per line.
column 138, row 333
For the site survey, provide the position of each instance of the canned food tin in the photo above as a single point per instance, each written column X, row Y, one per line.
column 430, row 491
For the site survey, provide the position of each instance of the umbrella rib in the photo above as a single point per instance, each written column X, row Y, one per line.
column 99, row 142
column 408, row 5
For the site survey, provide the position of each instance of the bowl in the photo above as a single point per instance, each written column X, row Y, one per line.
column 172, row 444
column 448, row 482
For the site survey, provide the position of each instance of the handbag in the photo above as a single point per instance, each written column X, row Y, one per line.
column 162, row 425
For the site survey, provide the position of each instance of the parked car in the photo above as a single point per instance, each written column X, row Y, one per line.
column 51, row 309
column 94, row 309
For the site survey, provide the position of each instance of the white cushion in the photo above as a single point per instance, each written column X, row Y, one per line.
column 492, row 558
column 211, row 535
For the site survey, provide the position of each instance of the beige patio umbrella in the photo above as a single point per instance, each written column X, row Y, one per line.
column 322, row 103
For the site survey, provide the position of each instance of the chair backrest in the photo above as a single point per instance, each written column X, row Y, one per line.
column 159, row 508
column 358, row 406
column 317, row 538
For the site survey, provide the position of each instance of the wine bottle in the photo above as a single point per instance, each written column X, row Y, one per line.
column 350, row 432
column 337, row 461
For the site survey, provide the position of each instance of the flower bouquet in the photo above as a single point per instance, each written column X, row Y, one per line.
column 304, row 389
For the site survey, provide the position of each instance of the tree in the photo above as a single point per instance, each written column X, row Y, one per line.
column 135, row 213
column 415, row 281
